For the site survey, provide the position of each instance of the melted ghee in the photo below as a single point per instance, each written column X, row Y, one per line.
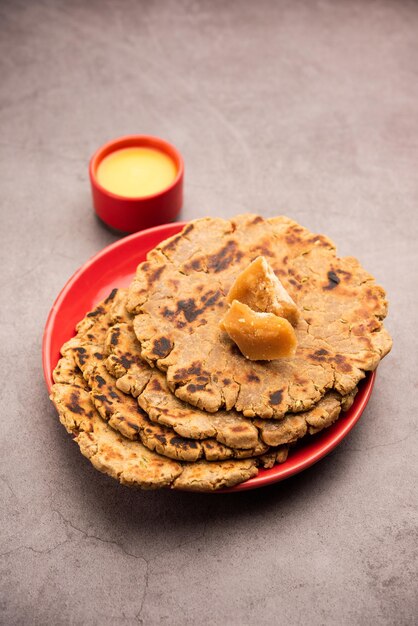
column 136, row 172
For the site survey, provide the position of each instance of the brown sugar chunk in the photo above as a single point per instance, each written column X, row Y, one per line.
column 259, row 336
column 259, row 288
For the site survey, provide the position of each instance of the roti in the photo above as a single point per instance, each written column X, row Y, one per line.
column 122, row 411
column 130, row 462
column 124, row 414
column 178, row 297
column 150, row 388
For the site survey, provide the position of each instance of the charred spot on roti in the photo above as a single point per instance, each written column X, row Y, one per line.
column 225, row 257
column 191, row 310
column 183, row 443
column 195, row 369
column 127, row 360
column 167, row 313
column 81, row 354
column 155, row 274
column 320, row 355
column 111, row 296
column 100, row 397
column 155, row 385
column 100, row 381
column 333, row 280
column 96, row 312
column 162, row 347
column 194, row 388
column 343, row 363
column 74, row 404
column 114, row 339
column 276, row 397
column 196, row 264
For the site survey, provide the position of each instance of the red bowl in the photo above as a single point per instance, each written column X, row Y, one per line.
column 129, row 215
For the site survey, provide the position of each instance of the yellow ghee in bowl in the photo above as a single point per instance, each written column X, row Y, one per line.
column 136, row 172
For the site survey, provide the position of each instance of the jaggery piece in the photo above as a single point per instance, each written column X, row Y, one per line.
column 259, row 336
column 259, row 288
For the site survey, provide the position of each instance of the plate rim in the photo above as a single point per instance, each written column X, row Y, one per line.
column 348, row 424
column 282, row 471
column 94, row 258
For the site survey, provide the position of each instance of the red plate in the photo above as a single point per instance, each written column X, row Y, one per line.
column 115, row 266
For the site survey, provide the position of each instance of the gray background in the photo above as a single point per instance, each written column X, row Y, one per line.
column 303, row 108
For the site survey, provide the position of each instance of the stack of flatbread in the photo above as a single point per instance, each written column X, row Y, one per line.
column 155, row 392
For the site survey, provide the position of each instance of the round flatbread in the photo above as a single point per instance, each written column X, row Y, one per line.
column 150, row 388
column 130, row 462
column 124, row 415
column 179, row 298
column 121, row 411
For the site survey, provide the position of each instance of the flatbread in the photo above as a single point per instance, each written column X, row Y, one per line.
column 130, row 462
column 231, row 428
column 295, row 426
column 121, row 411
column 149, row 386
column 178, row 296
column 95, row 324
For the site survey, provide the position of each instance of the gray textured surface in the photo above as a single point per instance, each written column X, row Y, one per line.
column 304, row 108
